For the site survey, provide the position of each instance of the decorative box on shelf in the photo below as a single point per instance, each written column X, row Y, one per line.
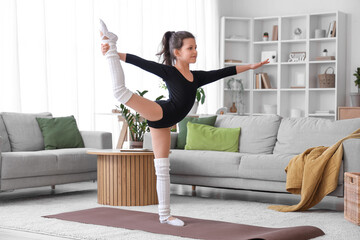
column 352, row 197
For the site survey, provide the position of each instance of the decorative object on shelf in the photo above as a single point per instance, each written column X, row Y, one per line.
column 332, row 29
column 295, row 113
column 355, row 97
column 326, row 58
column 275, row 33
column 222, row 111
column 270, row 108
column 327, row 80
column 299, row 80
column 324, row 53
column 320, row 33
column 297, row 33
column 265, row 36
column 237, row 95
column 233, row 108
column 297, row 57
column 271, row 55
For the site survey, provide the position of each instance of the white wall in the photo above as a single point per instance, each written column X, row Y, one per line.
column 260, row 8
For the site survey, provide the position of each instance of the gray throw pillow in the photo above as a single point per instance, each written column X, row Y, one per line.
column 24, row 131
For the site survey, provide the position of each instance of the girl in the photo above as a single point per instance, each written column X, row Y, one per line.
column 178, row 52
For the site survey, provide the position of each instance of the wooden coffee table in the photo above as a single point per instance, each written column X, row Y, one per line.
column 125, row 178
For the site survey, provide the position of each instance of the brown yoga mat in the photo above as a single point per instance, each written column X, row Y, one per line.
column 194, row 228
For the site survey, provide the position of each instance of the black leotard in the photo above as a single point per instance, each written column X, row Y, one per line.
column 181, row 91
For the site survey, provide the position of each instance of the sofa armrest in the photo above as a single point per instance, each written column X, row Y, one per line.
column 148, row 143
column 351, row 155
column 97, row 139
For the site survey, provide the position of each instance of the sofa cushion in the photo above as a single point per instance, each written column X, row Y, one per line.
column 298, row 134
column 24, row 132
column 204, row 137
column 181, row 139
column 5, row 144
column 204, row 163
column 258, row 133
column 46, row 162
column 74, row 160
column 270, row 167
column 60, row 132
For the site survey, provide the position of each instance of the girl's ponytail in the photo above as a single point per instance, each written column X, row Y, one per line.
column 165, row 52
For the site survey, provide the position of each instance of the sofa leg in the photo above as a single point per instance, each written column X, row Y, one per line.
column 52, row 187
column 194, row 187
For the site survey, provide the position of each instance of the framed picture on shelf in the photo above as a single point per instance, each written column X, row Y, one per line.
column 271, row 55
column 297, row 57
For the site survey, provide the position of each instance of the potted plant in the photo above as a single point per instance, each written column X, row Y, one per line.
column 200, row 98
column 137, row 124
column 355, row 97
column 265, row 36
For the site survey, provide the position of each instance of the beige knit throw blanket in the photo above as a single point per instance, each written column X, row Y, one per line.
column 313, row 174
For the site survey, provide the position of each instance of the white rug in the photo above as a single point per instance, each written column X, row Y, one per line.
column 25, row 214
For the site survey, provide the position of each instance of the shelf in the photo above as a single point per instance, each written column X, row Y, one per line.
column 294, row 41
column 322, row 89
column 293, row 63
column 319, row 62
column 323, row 39
column 235, row 64
column 226, row 89
column 321, row 115
column 265, row 42
column 237, row 40
column 292, row 89
column 263, row 114
column 265, row 90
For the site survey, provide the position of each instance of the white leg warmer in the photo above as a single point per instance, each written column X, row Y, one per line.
column 162, row 168
column 121, row 93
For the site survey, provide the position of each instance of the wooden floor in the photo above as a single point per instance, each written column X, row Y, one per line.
column 332, row 203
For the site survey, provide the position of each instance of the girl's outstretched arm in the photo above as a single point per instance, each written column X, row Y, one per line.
column 243, row 68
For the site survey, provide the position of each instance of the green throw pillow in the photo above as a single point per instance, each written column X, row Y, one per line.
column 60, row 132
column 203, row 137
column 181, row 139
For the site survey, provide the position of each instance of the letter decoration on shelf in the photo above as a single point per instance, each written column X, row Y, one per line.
column 297, row 57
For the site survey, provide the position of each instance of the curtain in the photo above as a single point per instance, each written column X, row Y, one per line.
column 50, row 59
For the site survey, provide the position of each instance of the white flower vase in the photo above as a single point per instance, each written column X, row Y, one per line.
column 194, row 108
column 355, row 99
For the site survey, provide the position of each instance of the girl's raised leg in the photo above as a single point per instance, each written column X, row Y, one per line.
column 148, row 109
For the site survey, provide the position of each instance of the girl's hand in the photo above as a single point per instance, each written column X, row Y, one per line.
column 259, row 64
column 104, row 48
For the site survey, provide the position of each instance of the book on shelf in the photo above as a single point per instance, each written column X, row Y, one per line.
column 333, row 34
column 258, row 82
column 275, row 33
column 325, row 58
column 332, row 29
column 265, row 80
